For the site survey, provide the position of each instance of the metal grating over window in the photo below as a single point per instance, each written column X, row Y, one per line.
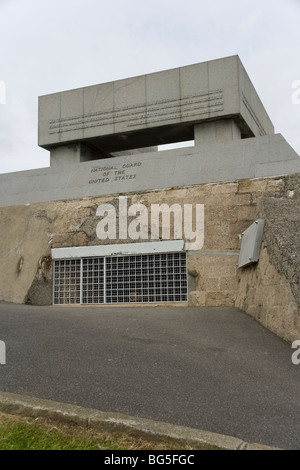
column 144, row 278
column 67, row 281
column 92, row 281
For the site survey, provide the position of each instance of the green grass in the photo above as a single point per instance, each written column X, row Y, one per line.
column 22, row 435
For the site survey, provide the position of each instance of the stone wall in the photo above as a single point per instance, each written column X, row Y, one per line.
column 266, row 295
column 29, row 232
column 25, row 241
column 270, row 290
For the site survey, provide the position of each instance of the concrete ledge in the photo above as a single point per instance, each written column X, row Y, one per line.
column 115, row 423
column 259, row 157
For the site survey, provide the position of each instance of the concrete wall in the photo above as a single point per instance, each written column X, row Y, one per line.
column 259, row 157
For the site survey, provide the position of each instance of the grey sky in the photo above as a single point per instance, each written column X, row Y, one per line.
column 49, row 46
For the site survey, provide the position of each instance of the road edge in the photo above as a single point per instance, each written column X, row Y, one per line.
column 15, row 404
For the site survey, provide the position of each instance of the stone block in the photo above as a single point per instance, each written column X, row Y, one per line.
column 263, row 186
column 245, row 213
column 164, row 88
column 128, row 104
column 193, row 78
column 197, row 299
column 209, row 284
column 49, row 110
column 229, row 284
column 220, row 299
column 70, row 119
column 98, row 98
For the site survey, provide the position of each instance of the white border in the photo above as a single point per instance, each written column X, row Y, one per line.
column 119, row 249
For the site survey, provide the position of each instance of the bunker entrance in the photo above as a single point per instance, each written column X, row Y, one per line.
column 144, row 278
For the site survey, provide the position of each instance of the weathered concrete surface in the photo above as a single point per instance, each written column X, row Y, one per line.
column 282, row 238
column 29, row 232
column 270, row 290
column 25, row 243
column 266, row 156
column 152, row 109
column 266, row 295
column 165, row 433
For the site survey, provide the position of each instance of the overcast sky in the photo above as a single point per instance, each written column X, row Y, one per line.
column 50, row 46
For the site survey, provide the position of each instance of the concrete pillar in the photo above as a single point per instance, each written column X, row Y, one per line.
column 216, row 132
column 72, row 153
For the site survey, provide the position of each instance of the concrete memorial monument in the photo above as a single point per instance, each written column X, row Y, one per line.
column 112, row 207
column 213, row 103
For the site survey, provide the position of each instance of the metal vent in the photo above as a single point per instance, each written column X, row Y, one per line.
column 144, row 278
column 67, row 281
column 92, row 280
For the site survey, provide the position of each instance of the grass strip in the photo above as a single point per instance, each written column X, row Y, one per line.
column 23, row 433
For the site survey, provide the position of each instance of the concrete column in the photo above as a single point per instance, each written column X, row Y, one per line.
column 216, row 132
column 72, row 153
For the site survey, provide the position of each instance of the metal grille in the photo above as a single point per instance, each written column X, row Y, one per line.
column 67, row 281
column 92, row 280
column 141, row 278
column 146, row 278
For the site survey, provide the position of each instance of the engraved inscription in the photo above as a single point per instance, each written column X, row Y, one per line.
column 146, row 114
column 121, row 172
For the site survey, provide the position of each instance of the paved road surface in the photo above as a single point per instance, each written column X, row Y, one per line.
column 214, row 369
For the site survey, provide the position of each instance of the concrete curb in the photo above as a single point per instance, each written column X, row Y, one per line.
column 115, row 423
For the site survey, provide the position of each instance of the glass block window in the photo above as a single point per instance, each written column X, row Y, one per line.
column 143, row 278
